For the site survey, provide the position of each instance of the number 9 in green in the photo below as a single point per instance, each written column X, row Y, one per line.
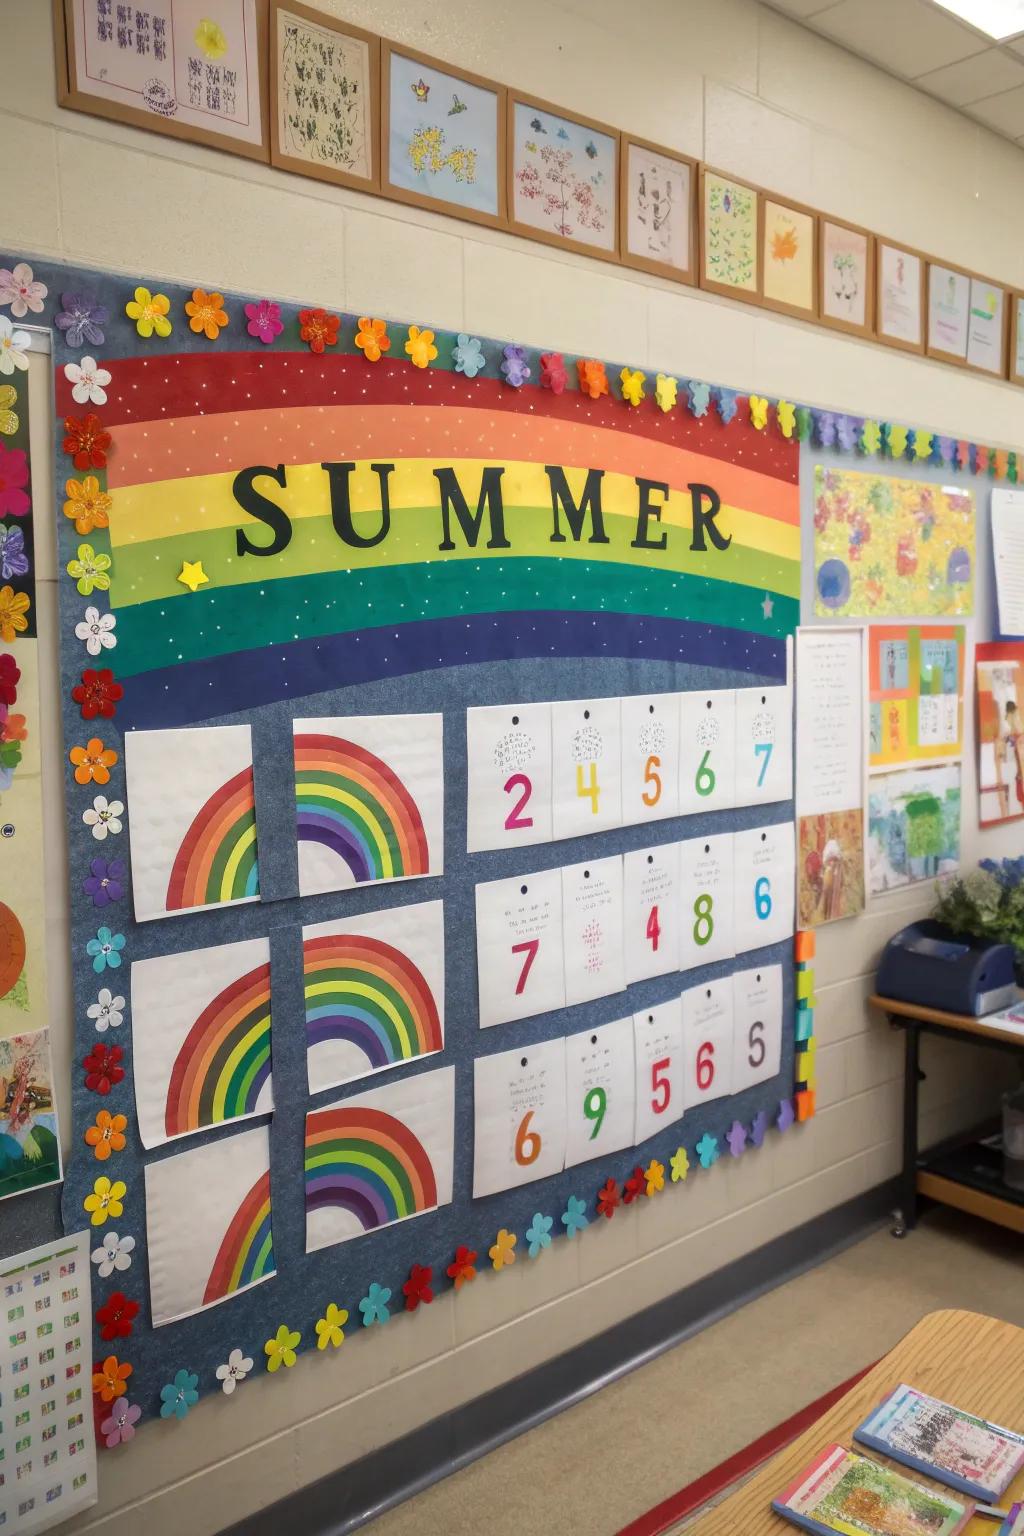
column 705, row 776
column 704, row 927
column 594, row 1106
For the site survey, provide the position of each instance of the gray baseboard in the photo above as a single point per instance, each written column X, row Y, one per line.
column 347, row 1499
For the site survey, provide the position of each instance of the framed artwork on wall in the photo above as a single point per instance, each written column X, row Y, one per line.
column 729, row 248
column 846, row 277
column 657, row 210
column 172, row 66
column 789, row 257
column 899, row 296
column 986, row 328
column 1017, row 338
column 324, row 96
column 442, row 136
column 563, row 177
column 949, row 303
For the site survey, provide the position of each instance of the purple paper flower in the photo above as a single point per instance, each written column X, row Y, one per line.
column 785, row 1117
column 515, row 367
column 759, row 1128
column 847, row 431
column 946, row 449
column 82, row 319
column 13, row 559
column 120, row 1427
column 825, row 422
column 264, row 320
column 105, row 882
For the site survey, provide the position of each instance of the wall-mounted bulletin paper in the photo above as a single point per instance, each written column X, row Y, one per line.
column 1017, row 338
column 729, row 248
column 916, row 693
column 658, row 210
column 847, row 277
column 949, row 303
column 29, row 1137
column 47, row 1434
column 789, row 258
column 886, row 547
column 830, row 793
column 986, row 330
column 324, row 83
column 564, row 177
column 900, row 287
column 913, row 825
column 1000, row 685
column 1006, row 510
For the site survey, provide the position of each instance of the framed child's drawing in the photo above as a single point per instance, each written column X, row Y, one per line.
column 729, row 254
column 846, row 277
column 563, row 178
column 900, row 296
column 789, row 257
column 657, row 210
column 1016, row 301
column 324, row 96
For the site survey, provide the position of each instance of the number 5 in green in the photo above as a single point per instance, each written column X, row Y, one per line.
column 705, row 776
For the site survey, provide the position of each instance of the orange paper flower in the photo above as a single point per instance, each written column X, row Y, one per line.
column 107, row 1135
column 15, row 728
column 372, row 339
column 87, row 506
column 93, row 762
column 111, row 1380
column 206, row 312
column 14, row 607
column 592, row 377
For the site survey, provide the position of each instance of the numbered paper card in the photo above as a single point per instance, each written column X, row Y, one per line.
column 757, row 1026
column 599, row 1098
column 508, row 752
column 764, row 868
column 592, row 929
column 764, row 745
column 519, row 1117
column 707, row 1042
column 650, row 901
column 707, row 752
column 650, row 757
column 586, row 766
column 658, row 1042
column 706, row 886
column 519, row 943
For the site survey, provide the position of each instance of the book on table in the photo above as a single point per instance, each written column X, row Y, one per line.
column 846, row 1493
column 954, row 1447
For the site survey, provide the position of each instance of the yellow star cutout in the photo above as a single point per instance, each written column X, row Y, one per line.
column 192, row 574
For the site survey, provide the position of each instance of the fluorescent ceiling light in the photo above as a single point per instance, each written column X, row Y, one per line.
column 997, row 18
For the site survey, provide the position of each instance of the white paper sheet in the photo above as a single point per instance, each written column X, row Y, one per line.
column 592, row 929
column 757, row 1026
column 370, row 799
column 599, row 1094
column 764, row 869
column 508, row 754
column 986, row 333
column 1008, row 556
column 707, row 751
column 374, row 992
column 660, row 1068
column 707, row 1042
column 586, row 766
column 706, row 900
column 830, row 721
column 899, row 281
column 201, row 1038
column 519, row 947
column 651, row 911
column 650, row 757
column 519, row 1117
column 764, row 745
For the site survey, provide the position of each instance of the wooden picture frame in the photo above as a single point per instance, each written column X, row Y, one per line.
column 709, row 283
column 586, row 125
column 1003, row 333
column 280, row 155
column 475, row 83
column 72, row 92
column 899, row 343
column 782, row 306
column 932, row 348
column 1015, row 352
column 838, row 322
column 651, row 263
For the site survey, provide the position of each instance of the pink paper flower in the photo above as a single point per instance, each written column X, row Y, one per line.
column 120, row 1427
column 264, row 319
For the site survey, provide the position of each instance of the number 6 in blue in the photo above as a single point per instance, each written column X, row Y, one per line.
column 763, row 749
column 763, row 897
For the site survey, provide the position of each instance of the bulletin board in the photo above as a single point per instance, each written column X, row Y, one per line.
column 298, row 528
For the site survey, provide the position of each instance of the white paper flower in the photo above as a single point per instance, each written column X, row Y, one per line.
column 236, row 1370
column 88, row 379
column 103, row 816
column 97, row 630
column 107, row 1011
column 13, row 345
column 21, row 291
column 113, row 1253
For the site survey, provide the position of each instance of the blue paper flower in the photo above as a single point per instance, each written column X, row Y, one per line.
column 700, row 397
column 374, row 1305
column 105, row 949
column 179, row 1396
column 707, row 1150
column 514, row 366
column 538, row 1235
column 468, row 355
column 726, row 402
column 574, row 1217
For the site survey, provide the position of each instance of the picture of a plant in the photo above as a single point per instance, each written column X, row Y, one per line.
column 564, row 177
column 730, row 233
column 323, row 96
column 567, row 199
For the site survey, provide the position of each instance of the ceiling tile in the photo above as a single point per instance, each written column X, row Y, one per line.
column 986, row 74
column 907, row 37
column 1004, row 112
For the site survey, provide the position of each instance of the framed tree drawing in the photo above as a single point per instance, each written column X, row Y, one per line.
column 657, row 210
column 563, row 178
column 846, row 277
column 324, row 97
column 729, row 254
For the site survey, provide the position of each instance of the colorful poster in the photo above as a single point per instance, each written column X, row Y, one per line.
column 1000, row 669
column 29, row 1137
column 885, row 547
column 846, row 274
column 443, row 135
column 913, row 826
column 324, row 89
column 830, row 794
column 787, row 255
column 564, row 177
column 916, row 692
column 659, row 199
column 729, row 233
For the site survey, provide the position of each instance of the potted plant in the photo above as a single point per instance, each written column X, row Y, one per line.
column 987, row 902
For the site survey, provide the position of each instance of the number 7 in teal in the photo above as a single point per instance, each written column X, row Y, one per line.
column 763, row 749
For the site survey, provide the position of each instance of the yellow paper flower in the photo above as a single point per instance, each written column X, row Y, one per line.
column 149, row 311
column 785, row 415
column 758, row 412
column 8, row 418
column 632, row 385
column 922, row 445
column 654, row 1177
column 280, row 1350
column 105, row 1201
column 210, row 40
column 206, row 313
column 665, row 390
column 330, row 1328
column 87, row 506
column 13, row 609
column 372, row 339
column 420, row 347
column 897, row 441
column 503, row 1252
column 680, row 1165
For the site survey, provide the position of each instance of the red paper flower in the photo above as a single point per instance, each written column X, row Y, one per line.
column 10, row 676
column 318, row 328
column 417, row 1287
column 102, row 1068
column 462, row 1269
column 552, row 372
column 86, row 441
column 97, row 693
column 636, row 1185
column 115, row 1317
column 608, row 1197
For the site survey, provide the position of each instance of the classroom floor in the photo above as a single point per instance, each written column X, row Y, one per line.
column 600, row 1465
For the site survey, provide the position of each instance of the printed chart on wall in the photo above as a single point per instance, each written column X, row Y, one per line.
column 1000, row 684
column 916, row 691
column 830, row 797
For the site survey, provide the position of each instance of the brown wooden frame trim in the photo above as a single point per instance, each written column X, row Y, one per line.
column 300, row 167
column 646, row 263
